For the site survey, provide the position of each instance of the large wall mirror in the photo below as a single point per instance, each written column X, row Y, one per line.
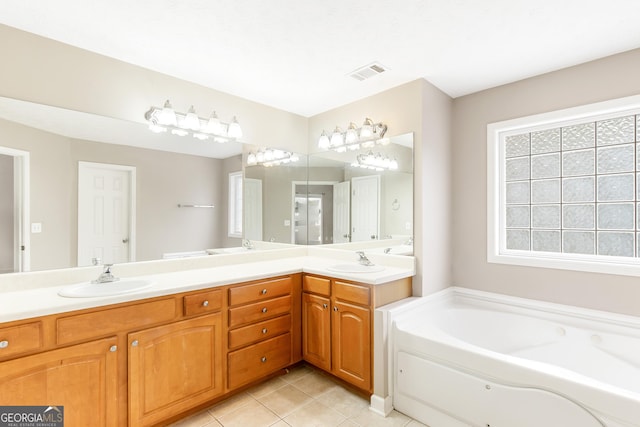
column 170, row 196
column 163, row 196
column 324, row 198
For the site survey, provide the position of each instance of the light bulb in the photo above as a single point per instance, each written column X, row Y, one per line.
column 337, row 139
column 201, row 136
column 191, row 121
column 167, row 116
column 179, row 132
column 251, row 159
column 393, row 165
column 157, row 128
column 352, row 134
column 366, row 131
column 213, row 125
column 234, row 131
column 324, row 142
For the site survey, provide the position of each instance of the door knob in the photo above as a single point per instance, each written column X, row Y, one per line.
column 125, row 240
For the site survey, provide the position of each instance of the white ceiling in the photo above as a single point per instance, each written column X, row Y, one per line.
column 297, row 55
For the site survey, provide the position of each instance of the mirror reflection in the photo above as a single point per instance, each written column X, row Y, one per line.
column 81, row 187
column 329, row 198
column 78, row 188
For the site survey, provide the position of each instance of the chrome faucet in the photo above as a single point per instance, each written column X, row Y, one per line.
column 363, row 258
column 247, row 244
column 409, row 241
column 106, row 276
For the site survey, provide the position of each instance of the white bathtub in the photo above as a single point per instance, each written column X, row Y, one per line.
column 468, row 358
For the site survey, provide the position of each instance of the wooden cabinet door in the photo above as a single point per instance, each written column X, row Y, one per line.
column 173, row 368
column 316, row 332
column 81, row 378
column 351, row 344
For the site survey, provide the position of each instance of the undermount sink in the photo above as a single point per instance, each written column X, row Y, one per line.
column 120, row 287
column 356, row 268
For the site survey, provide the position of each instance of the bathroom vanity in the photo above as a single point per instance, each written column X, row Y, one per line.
column 175, row 347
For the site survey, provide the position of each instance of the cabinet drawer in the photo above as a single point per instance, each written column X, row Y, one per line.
column 259, row 331
column 259, row 291
column 107, row 322
column 317, row 285
column 259, row 311
column 358, row 294
column 20, row 339
column 258, row 360
column 203, row 302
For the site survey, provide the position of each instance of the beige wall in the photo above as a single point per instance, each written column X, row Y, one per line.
column 44, row 71
column 608, row 78
column 423, row 109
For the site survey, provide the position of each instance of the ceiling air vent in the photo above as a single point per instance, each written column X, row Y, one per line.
column 368, row 71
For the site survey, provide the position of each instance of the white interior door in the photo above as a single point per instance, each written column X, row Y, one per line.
column 106, row 206
column 341, row 213
column 253, row 209
column 365, row 208
column 15, row 248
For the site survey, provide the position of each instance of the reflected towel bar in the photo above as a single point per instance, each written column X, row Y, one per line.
column 195, row 206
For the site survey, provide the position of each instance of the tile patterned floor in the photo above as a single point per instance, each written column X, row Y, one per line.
column 305, row 397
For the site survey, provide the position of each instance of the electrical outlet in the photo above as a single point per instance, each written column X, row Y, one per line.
column 36, row 227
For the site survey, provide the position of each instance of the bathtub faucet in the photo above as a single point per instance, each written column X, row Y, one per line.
column 363, row 258
column 106, row 276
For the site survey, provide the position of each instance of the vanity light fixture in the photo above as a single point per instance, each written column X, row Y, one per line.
column 271, row 157
column 167, row 119
column 354, row 138
column 375, row 161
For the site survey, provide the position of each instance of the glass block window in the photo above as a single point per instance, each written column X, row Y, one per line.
column 564, row 188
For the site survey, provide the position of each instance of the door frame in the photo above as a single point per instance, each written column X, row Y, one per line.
column 21, row 208
column 293, row 202
column 132, row 202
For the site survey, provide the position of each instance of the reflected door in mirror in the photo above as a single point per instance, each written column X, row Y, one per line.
column 365, row 208
column 104, row 213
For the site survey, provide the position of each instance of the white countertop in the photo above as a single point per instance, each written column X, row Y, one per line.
column 31, row 296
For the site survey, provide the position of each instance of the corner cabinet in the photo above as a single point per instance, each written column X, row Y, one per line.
column 337, row 325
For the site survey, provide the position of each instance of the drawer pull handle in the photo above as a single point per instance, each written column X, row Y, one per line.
column 335, row 308
column 264, row 359
column 205, row 303
column 4, row 344
column 264, row 309
column 134, row 343
column 264, row 292
column 113, row 348
column 324, row 306
column 264, row 330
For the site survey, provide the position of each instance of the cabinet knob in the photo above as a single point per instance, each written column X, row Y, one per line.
column 324, row 306
column 335, row 308
column 4, row 344
column 263, row 359
column 205, row 303
column 113, row 348
column 134, row 343
column 264, row 309
column 264, row 330
column 264, row 292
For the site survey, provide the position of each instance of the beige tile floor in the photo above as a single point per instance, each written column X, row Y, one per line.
column 303, row 397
